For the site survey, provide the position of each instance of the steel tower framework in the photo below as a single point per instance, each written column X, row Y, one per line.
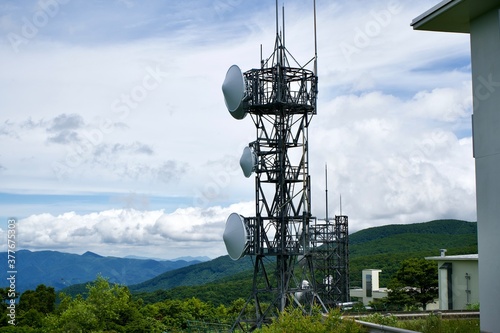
column 281, row 102
column 330, row 249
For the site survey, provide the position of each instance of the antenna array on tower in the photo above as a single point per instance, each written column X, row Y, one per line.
column 281, row 101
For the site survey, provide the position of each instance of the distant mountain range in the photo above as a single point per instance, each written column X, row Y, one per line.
column 380, row 247
column 188, row 258
column 60, row 270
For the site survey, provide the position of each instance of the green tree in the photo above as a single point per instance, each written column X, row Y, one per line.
column 42, row 299
column 110, row 303
column 414, row 284
column 34, row 305
column 107, row 308
column 3, row 307
column 80, row 316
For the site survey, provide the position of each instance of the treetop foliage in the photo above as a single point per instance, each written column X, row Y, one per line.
column 110, row 308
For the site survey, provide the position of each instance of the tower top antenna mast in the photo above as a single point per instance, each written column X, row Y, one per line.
column 315, row 42
column 326, row 192
column 277, row 29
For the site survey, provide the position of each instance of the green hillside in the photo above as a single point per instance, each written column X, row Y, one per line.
column 222, row 280
column 195, row 275
column 438, row 227
column 222, row 291
column 385, row 247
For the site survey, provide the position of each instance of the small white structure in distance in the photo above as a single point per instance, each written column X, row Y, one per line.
column 370, row 289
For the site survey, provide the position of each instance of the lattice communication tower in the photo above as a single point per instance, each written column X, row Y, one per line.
column 280, row 98
column 330, row 251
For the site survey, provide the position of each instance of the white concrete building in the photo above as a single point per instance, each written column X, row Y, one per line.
column 370, row 289
column 458, row 281
column 481, row 20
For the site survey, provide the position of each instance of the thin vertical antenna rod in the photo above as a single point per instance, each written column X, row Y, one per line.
column 283, row 19
column 315, row 43
column 341, row 204
column 326, row 192
column 277, row 30
column 261, row 60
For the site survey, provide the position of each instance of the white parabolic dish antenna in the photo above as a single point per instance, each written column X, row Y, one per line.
column 248, row 161
column 235, row 236
column 234, row 90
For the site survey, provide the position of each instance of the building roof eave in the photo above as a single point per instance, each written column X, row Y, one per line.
column 454, row 258
column 453, row 15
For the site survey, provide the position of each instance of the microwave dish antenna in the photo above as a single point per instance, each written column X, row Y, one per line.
column 248, row 161
column 236, row 236
column 234, row 90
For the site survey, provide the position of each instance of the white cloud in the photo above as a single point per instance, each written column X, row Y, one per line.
column 140, row 110
column 186, row 231
column 444, row 104
column 396, row 161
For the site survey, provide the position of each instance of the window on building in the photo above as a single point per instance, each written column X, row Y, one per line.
column 369, row 286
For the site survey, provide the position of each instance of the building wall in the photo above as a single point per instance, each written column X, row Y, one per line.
column 464, row 290
column 485, row 54
column 484, row 29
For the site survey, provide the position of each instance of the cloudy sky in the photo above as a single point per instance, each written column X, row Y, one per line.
column 114, row 136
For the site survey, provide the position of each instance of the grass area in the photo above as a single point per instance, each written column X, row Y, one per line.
column 430, row 324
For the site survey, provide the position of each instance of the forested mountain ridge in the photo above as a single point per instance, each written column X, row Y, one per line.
column 379, row 247
column 195, row 275
column 438, row 227
column 222, row 278
column 210, row 292
column 60, row 270
column 386, row 246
